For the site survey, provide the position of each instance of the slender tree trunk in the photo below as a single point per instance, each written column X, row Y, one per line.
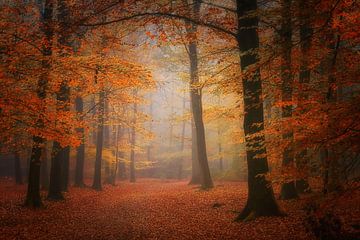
column 182, row 144
column 44, row 169
column 99, row 141
column 33, row 198
column 55, row 187
column 133, row 141
column 302, row 159
column 196, row 106
column 117, row 132
column 288, row 190
column 17, row 166
column 80, row 150
column 148, row 152
column 261, row 200
column 195, row 168
column 221, row 163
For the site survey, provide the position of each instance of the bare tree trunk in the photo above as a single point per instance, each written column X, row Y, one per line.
column 133, row 141
column 196, row 106
column 80, row 150
column 261, row 200
column 195, row 168
column 99, row 141
column 182, row 144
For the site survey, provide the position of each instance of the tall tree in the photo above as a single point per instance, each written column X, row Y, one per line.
column 97, row 185
column 261, row 200
column 196, row 102
column 33, row 198
column 80, row 150
column 59, row 172
column 133, row 141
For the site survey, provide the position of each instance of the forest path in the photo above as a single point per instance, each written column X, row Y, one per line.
column 147, row 209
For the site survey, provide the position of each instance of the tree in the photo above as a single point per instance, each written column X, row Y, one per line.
column 261, row 200
column 33, row 198
column 80, row 150
column 196, row 105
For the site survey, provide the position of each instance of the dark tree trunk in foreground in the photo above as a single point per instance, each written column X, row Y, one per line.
column 65, row 168
column 55, row 187
column 44, row 169
column 80, row 150
column 17, row 168
column 196, row 106
column 133, row 141
column 261, row 200
column 302, row 159
column 288, row 190
column 99, row 142
column 33, row 198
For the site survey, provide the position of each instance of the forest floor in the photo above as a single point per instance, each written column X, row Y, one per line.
column 150, row 209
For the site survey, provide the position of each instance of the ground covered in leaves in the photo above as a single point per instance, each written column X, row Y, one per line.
column 148, row 209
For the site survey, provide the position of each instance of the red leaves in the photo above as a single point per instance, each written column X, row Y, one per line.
column 148, row 209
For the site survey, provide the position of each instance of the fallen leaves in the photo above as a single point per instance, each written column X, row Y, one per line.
column 148, row 209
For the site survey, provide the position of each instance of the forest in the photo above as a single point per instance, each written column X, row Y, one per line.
column 180, row 119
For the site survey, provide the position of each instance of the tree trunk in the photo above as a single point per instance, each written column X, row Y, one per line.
column 99, row 141
column 288, row 190
column 195, row 169
column 33, row 198
column 80, row 151
column 17, row 170
column 55, row 188
column 133, row 140
column 44, row 169
column 182, row 144
column 302, row 159
column 261, row 200
column 196, row 106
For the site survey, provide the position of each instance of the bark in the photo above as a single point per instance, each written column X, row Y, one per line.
column 195, row 169
column 55, row 187
column 44, row 169
column 99, row 141
column 33, row 198
column 117, row 133
column 148, row 152
column 196, row 107
column 17, row 170
column 288, row 190
column 59, row 172
column 80, row 150
column 261, row 200
column 302, row 159
column 182, row 143
column 221, row 164
column 133, row 141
